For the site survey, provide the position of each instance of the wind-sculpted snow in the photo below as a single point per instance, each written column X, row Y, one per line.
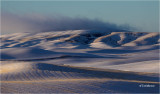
column 77, row 38
column 109, row 48
column 39, row 74
column 80, row 61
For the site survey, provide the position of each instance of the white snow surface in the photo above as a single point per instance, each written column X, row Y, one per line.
column 128, row 51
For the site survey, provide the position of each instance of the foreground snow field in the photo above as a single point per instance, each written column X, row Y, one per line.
column 80, row 61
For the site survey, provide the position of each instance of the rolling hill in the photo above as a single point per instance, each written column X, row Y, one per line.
column 80, row 61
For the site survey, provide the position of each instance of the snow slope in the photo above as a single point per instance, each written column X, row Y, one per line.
column 51, row 78
column 79, row 61
column 81, row 46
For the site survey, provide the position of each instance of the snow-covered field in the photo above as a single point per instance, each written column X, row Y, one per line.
column 80, row 61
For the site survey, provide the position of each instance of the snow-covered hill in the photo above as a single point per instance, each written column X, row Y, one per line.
column 84, row 48
column 79, row 61
column 79, row 38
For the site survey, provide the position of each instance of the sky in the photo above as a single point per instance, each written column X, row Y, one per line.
column 143, row 15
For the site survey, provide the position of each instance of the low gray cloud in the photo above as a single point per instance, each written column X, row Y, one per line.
column 12, row 23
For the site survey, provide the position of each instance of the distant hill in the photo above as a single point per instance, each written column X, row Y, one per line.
column 80, row 38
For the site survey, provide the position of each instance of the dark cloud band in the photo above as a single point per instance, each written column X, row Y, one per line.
column 13, row 23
